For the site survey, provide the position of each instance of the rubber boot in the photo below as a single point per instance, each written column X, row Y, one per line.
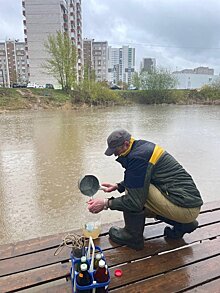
column 179, row 229
column 132, row 234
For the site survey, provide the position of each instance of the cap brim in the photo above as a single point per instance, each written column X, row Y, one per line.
column 109, row 152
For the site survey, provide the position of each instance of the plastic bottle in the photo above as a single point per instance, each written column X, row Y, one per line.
column 84, row 278
column 98, row 257
column 101, row 275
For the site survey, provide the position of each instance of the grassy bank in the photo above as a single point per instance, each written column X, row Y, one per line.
column 205, row 96
column 15, row 99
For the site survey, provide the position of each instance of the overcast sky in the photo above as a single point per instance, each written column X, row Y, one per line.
column 178, row 33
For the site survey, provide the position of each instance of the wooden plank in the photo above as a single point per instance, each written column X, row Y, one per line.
column 150, row 232
column 212, row 287
column 45, row 242
column 46, row 257
column 62, row 288
column 35, row 277
column 178, row 280
column 152, row 247
column 209, row 218
column 210, row 206
column 160, row 264
column 140, row 269
column 40, row 243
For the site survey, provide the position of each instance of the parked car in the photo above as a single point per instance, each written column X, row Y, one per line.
column 132, row 88
column 31, row 85
column 49, row 86
column 115, row 87
column 19, row 85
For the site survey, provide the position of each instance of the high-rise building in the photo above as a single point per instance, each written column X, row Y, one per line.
column 46, row 17
column 76, row 5
column 121, row 64
column 148, row 65
column 114, row 65
column 95, row 55
column 100, row 60
column 87, row 56
column 13, row 63
column 114, row 69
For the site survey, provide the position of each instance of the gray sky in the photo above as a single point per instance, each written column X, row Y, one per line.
column 178, row 33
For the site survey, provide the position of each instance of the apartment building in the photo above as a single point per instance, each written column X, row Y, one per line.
column 13, row 63
column 100, row 60
column 110, row 64
column 121, row 64
column 87, row 56
column 148, row 65
column 197, row 70
column 95, row 59
column 43, row 18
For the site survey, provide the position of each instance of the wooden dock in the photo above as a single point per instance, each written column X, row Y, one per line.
column 190, row 265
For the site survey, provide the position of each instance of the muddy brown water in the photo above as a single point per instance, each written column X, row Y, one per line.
column 44, row 153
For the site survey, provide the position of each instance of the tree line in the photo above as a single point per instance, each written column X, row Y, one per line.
column 156, row 86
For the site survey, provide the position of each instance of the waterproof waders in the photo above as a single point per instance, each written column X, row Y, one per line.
column 178, row 229
column 132, row 234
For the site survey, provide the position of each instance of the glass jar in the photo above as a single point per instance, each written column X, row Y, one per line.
column 91, row 225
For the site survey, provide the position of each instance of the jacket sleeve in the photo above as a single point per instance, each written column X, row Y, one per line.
column 121, row 186
column 132, row 201
column 135, row 198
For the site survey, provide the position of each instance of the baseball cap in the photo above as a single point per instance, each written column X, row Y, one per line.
column 116, row 139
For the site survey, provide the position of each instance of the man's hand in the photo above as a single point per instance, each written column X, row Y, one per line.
column 96, row 205
column 110, row 186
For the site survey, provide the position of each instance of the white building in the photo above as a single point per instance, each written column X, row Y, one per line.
column 194, row 81
column 43, row 18
column 121, row 64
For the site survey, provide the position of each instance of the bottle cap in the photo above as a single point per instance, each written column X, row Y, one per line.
column 83, row 258
column 98, row 256
column 83, row 267
column 101, row 263
column 118, row 273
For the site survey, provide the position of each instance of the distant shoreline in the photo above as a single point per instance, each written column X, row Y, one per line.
column 26, row 99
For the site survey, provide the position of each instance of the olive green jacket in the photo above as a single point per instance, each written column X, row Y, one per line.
column 148, row 163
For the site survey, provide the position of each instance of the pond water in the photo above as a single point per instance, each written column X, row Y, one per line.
column 44, row 153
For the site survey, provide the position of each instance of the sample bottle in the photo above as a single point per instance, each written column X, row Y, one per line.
column 84, row 278
column 101, row 275
column 83, row 259
column 98, row 257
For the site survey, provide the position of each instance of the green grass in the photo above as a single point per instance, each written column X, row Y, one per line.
column 14, row 99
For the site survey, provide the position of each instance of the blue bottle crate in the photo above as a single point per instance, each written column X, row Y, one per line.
column 73, row 272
